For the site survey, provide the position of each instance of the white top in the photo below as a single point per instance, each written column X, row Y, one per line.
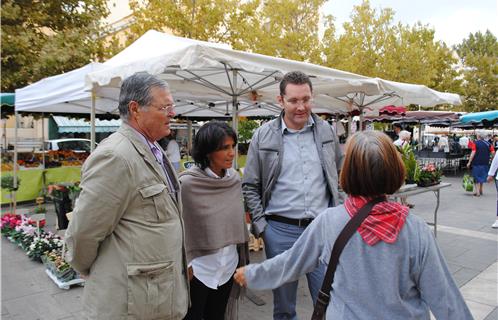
column 399, row 143
column 216, row 269
column 173, row 151
column 493, row 167
column 443, row 142
column 464, row 142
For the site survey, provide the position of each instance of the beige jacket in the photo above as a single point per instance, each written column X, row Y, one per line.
column 127, row 234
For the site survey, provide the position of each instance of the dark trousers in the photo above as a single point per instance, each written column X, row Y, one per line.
column 207, row 303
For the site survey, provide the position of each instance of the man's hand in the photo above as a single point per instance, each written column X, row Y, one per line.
column 240, row 277
column 490, row 178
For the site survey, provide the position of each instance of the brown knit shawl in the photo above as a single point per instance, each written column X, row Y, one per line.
column 213, row 212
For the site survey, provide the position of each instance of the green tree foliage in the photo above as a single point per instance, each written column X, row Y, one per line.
column 246, row 129
column 281, row 28
column 208, row 20
column 45, row 38
column 479, row 58
column 374, row 46
column 284, row 28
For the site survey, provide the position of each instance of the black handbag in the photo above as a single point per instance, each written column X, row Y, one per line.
column 324, row 294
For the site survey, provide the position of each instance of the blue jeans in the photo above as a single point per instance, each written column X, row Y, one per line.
column 279, row 237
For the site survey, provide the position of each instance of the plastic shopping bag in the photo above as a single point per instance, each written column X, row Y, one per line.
column 467, row 183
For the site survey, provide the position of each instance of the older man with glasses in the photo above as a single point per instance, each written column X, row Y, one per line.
column 126, row 235
column 290, row 177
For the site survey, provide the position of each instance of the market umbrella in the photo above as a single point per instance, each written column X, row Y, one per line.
column 487, row 118
column 7, row 101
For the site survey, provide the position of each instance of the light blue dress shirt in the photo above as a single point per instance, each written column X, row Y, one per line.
column 301, row 190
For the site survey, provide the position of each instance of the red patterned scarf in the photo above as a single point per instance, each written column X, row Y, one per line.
column 384, row 222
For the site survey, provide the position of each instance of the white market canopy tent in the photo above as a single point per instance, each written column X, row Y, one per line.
column 207, row 74
column 207, row 79
column 202, row 74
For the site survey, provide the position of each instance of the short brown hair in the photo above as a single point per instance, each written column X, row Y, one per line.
column 294, row 77
column 372, row 165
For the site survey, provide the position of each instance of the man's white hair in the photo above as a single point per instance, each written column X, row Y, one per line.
column 403, row 134
column 482, row 134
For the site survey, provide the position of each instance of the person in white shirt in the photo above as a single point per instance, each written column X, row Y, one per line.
column 464, row 142
column 216, row 235
column 404, row 138
column 493, row 176
column 173, row 151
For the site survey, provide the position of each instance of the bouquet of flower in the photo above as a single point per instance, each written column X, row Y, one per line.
column 42, row 243
column 9, row 222
column 428, row 175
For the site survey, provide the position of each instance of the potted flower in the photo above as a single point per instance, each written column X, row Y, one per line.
column 428, row 175
column 55, row 263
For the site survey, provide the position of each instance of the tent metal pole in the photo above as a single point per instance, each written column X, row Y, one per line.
column 420, row 126
column 189, row 140
column 92, row 121
column 350, row 125
column 43, row 143
column 14, row 200
column 350, row 117
column 44, row 181
column 235, row 118
column 361, row 117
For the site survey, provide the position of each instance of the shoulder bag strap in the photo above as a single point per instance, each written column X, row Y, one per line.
column 341, row 241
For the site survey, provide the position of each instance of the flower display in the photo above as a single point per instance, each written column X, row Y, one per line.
column 38, row 244
column 10, row 221
column 43, row 243
column 428, row 175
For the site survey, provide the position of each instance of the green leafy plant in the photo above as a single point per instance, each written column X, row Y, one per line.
column 7, row 183
column 40, row 209
column 410, row 162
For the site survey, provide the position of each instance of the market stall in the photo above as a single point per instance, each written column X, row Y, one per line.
column 441, row 149
column 31, row 181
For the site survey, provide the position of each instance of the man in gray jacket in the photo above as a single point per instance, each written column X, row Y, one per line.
column 126, row 234
column 290, row 177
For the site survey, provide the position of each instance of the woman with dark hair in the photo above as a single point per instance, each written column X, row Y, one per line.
column 391, row 268
column 214, row 216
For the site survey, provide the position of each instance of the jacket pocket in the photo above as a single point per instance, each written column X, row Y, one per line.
column 150, row 290
column 154, row 202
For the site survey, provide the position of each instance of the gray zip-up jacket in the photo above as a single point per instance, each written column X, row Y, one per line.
column 264, row 162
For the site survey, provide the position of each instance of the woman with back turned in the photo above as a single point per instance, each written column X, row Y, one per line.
column 391, row 268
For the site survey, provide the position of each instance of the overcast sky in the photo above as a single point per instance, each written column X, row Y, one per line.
column 453, row 20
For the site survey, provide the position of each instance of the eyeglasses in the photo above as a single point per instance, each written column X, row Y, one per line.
column 296, row 102
column 168, row 108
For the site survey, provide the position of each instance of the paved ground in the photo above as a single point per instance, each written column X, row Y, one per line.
column 468, row 242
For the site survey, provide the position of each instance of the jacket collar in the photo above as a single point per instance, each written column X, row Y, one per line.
column 276, row 125
column 143, row 149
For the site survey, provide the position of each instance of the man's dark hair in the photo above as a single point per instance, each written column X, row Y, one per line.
column 294, row 77
column 210, row 138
